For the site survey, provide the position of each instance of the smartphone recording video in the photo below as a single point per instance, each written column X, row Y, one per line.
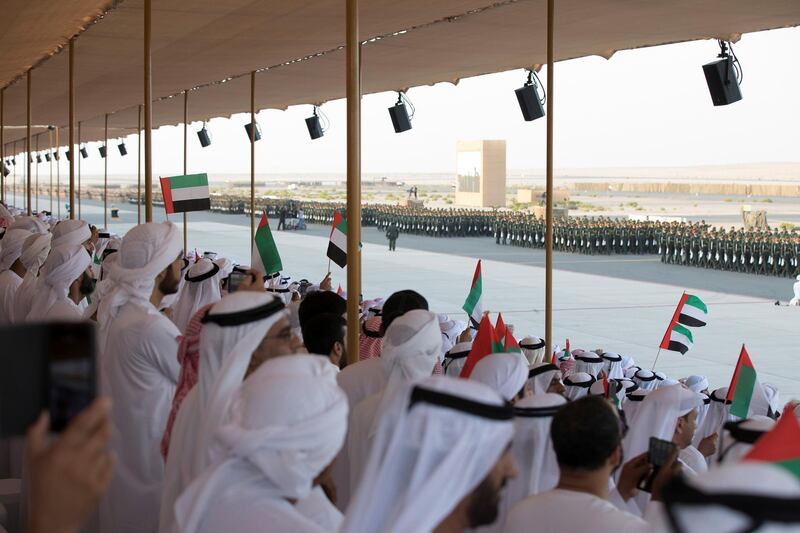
column 45, row 366
column 236, row 278
column 658, row 453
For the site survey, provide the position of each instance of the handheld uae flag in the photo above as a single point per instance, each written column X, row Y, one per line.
column 500, row 328
column 511, row 344
column 485, row 343
column 745, row 392
column 474, row 303
column 265, row 257
column 185, row 193
column 690, row 312
column 337, row 244
column 781, row 446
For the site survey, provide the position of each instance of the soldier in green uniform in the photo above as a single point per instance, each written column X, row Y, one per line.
column 392, row 233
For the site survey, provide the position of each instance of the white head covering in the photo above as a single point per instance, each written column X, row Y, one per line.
column 451, row 329
column 615, row 389
column 411, row 347
column 773, row 397
column 633, row 402
column 577, row 385
column 427, row 457
column 627, row 362
column 717, row 414
column 589, row 362
column 34, row 253
column 202, row 288
column 533, row 349
column 286, row 425
column 613, row 365
column 657, row 417
column 147, row 249
column 11, row 247
column 739, row 437
column 456, row 358
column 646, row 379
column 30, row 223
column 532, row 448
column 541, row 375
column 64, row 265
column 361, row 379
column 748, row 481
column 71, row 232
column 504, row 372
column 696, row 383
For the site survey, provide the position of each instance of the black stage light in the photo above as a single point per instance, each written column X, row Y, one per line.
column 205, row 137
column 123, row 150
column 67, row 152
column 401, row 120
column 249, row 129
column 6, row 170
column 47, row 157
column 102, row 151
column 14, row 161
column 314, row 124
column 84, row 152
column 30, row 158
column 38, row 158
column 55, row 155
column 723, row 76
column 530, row 103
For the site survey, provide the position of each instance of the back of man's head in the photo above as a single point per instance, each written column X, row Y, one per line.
column 320, row 302
column 322, row 331
column 585, row 433
column 399, row 304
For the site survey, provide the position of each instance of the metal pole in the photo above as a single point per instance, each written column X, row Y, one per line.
column 148, row 116
column 105, row 174
column 139, row 171
column 253, row 158
column 72, row 151
column 14, row 179
column 353, row 51
column 50, row 151
column 58, row 176
column 185, row 161
column 2, row 146
column 28, row 146
column 548, row 295
column 78, row 157
column 37, row 172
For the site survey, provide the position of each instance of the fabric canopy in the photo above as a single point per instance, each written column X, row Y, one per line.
column 297, row 50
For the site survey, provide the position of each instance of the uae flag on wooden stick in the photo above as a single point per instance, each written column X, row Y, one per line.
column 690, row 312
column 185, row 193
column 265, row 257
column 474, row 303
column 485, row 343
column 337, row 244
column 781, row 446
column 745, row 392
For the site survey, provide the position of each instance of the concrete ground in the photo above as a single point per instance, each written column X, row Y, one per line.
column 619, row 303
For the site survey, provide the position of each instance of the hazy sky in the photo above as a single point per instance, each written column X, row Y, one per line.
column 647, row 107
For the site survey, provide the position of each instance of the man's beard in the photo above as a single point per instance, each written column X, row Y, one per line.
column 170, row 283
column 87, row 285
column 484, row 505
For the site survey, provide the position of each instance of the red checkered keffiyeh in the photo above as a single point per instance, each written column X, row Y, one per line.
column 370, row 341
column 189, row 359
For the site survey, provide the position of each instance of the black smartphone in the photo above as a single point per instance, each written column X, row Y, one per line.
column 104, row 235
column 658, row 453
column 45, row 366
column 235, row 279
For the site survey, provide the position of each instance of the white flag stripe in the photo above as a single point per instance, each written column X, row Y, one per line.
column 189, row 193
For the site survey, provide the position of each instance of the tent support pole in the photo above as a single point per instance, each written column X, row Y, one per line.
column 79, row 156
column 36, row 183
column 105, row 175
column 139, row 170
column 72, row 150
column 58, row 174
column 253, row 159
column 353, row 52
column 2, row 146
column 50, row 188
column 28, row 145
column 148, row 115
column 185, row 162
column 548, row 317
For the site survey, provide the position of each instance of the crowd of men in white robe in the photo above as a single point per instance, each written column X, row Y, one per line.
column 238, row 413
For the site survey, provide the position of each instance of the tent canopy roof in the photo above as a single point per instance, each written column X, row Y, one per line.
column 297, row 48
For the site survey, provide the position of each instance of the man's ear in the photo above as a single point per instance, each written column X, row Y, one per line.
column 616, row 456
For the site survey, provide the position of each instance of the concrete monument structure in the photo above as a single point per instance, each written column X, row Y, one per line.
column 481, row 173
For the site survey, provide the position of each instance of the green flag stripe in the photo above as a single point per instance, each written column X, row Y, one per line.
column 745, row 383
column 342, row 226
column 694, row 301
column 190, row 180
column 677, row 328
column 268, row 251
column 792, row 465
column 474, row 296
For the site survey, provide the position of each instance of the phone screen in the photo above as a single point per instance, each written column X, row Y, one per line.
column 71, row 372
column 235, row 280
column 658, row 453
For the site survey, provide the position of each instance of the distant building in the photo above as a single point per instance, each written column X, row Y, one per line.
column 481, row 173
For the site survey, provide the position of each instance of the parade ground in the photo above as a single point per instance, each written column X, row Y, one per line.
column 618, row 303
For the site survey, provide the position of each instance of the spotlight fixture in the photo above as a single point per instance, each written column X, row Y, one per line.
column 14, row 161
column 530, row 103
column 102, row 151
column 30, row 158
column 68, row 154
column 38, row 158
column 123, row 150
column 401, row 120
column 47, row 157
column 724, row 76
column 6, row 170
column 249, row 129
column 317, row 123
column 55, row 155
column 84, row 152
column 205, row 136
